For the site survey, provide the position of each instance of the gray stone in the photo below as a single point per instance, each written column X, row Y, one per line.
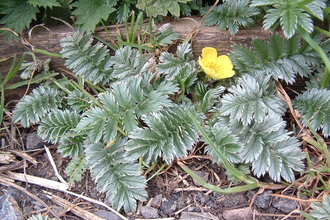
column 33, row 141
column 263, row 200
column 107, row 215
column 285, row 205
column 156, row 201
column 168, row 208
column 196, row 216
column 149, row 212
column 9, row 209
column 238, row 214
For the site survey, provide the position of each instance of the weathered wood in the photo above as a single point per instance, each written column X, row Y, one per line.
column 44, row 39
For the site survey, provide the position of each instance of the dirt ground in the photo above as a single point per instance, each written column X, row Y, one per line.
column 172, row 194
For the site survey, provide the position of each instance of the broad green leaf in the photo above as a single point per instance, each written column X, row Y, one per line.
column 44, row 3
column 18, row 15
column 90, row 13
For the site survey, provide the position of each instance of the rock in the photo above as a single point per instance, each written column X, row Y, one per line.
column 203, row 175
column 107, row 215
column 168, row 208
column 262, row 200
column 285, row 205
column 33, row 141
column 156, row 201
column 149, row 212
column 9, row 209
column 238, row 214
column 196, row 216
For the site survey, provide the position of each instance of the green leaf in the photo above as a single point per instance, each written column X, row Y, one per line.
column 170, row 134
column 91, row 62
column 33, row 107
column 166, row 37
column 289, row 21
column 57, row 123
column 314, row 106
column 116, row 174
column 232, row 14
column 44, row 3
column 321, row 210
column 90, row 13
column 75, row 168
column 250, row 100
column 161, row 7
column 226, row 142
column 18, row 15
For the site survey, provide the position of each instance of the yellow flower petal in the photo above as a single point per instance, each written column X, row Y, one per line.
column 219, row 67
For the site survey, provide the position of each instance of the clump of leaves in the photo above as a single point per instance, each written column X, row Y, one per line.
column 231, row 15
column 291, row 15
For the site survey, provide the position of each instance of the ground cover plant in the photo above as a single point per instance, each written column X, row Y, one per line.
column 141, row 106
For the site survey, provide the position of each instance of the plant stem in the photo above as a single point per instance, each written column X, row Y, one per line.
column 315, row 46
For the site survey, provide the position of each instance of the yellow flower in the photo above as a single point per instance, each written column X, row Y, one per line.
column 218, row 67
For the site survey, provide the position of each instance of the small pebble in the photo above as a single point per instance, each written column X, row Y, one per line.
column 149, row 212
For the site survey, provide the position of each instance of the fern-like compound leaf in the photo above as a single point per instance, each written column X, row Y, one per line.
column 91, row 62
column 128, row 61
column 116, row 174
column 252, row 99
column 268, row 147
column 58, row 123
column 76, row 167
column 321, row 210
column 314, row 106
column 232, row 14
column 279, row 58
column 171, row 65
column 90, row 13
column 33, row 107
column 226, row 142
column 170, row 134
column 71, row 146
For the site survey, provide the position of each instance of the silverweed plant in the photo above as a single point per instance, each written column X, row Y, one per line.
column 136, row 108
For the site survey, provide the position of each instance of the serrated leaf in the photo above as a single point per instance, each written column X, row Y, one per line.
column 116, row 174
column 75, row 168
column 90, row 13
column 44, row 3
column 161, row 7
column 18, row 15
column 289, row 21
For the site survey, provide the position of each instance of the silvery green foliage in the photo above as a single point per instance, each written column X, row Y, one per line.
column 266, row 145
column 291, row 14
column 33, row 107
column 251, row 99
column 231, row 15
column 280, row 58
column 171, row 65
column 116, row 173
column 57, row 127
column 122, row 105
column 321, row 210
column 76, row 167
column 40, row 217
column 169, row 134
column 314, row 106
column 87, row 60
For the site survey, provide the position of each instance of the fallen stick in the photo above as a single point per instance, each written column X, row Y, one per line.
column 68, row 206
column 38, row 181
column 56, row 186
column 8, row 182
